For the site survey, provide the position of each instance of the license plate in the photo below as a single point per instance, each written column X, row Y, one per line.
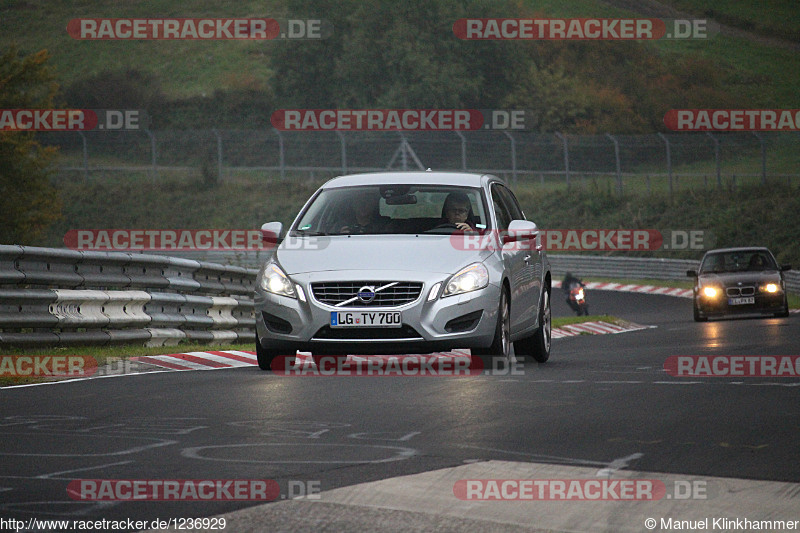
column 741, row 301
column 370, row 319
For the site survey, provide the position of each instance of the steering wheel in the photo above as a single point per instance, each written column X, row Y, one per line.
column 445, row 225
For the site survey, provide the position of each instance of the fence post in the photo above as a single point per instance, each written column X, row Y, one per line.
column 219, row 153
column 716, row 159
column 85, row 156
column 566, row 156
column 463, row 150
column 669, row 160
column 616, row 156
column 763, row 157
column 281, row 155
column 344, row 151
column 153, row 156
column 513, row 156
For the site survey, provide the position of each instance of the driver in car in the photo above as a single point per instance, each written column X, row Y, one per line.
column 457, row 211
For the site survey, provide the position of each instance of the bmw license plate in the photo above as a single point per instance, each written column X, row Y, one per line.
column 742, row 300
column 381, row 319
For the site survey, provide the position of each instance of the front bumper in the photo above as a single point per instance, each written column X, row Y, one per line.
column 461, row 321
column 765, row 304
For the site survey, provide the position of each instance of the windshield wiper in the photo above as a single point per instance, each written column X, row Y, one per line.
column 309, row 233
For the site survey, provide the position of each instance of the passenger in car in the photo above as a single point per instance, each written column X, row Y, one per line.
column 757, row 262
column 364, row 215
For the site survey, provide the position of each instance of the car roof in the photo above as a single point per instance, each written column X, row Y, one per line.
column 463, row 179
column 739, row 249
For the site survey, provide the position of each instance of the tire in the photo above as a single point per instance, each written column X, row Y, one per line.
column 697, row 316
column 265, row 356
column 537, row 345
column 785, row 312
column 501, row 344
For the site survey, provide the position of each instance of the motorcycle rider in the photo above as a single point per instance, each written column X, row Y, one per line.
column 569, row 282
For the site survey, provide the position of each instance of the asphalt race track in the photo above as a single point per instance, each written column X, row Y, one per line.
column 603, row 405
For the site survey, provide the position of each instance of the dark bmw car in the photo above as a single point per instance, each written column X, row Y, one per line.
column 739, row 282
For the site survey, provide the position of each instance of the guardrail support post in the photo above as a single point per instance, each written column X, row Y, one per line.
column 716, row 159
column 566, row 156
column 153, row 157
column 343, row 151
column 669, row 161
column 763, row 157
column 219, row 154
column 85, row 156
column 281, row 154
column 513, row 156
column 616, row 157
column 463, row 150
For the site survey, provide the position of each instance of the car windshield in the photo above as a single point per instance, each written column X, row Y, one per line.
column 393, row 209
column 741, row 261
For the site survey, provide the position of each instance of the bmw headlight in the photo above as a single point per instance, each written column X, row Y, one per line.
column 710, row 292
column 273, row 279
column 468, row 279
column 771, row 288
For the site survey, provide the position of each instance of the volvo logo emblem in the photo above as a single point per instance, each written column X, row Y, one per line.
column 366, row 294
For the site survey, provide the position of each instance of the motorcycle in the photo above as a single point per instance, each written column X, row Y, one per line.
column 577, row 299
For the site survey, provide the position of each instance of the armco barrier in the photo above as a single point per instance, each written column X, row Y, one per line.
column 67, row 297
column 54, row 296
column 617, row 267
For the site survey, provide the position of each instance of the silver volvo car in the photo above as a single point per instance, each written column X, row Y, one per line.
column 405, row 263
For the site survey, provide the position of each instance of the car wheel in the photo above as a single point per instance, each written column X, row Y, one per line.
column 785, row 311
column 265, row 356
column 538, row 345
column 697, row 316
column 501, row 344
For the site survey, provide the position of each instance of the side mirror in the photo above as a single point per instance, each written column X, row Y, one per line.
column 520, row 230
column 271, row 233
column 691, row 273
column 784, row 268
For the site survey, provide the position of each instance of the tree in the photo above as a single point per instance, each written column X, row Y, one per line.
column 29, row 204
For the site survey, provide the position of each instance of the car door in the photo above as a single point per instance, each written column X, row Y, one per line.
column 519, row 261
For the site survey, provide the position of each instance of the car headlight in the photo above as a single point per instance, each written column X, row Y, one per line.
column 770, row 287
column 468, row 279
column 710, row 292
column 272, row 279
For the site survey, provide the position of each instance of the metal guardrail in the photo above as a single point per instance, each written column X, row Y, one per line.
column 638, row 268
column 54, row 296
column 616, row 267
column 65, row 297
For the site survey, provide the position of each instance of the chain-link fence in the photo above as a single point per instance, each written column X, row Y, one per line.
column 663, row 162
